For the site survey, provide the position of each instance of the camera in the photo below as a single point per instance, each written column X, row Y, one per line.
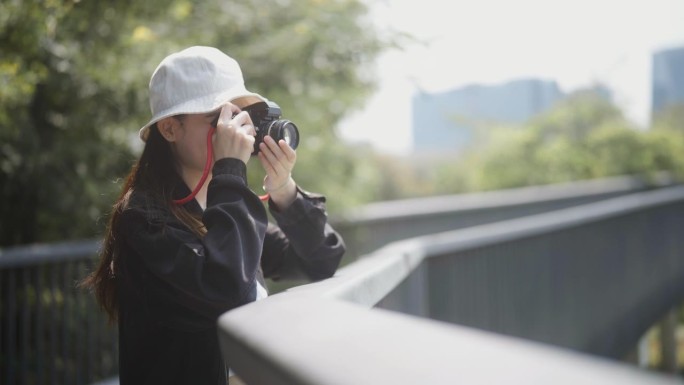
column 266, row 118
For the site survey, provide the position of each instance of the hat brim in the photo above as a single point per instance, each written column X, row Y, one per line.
column 241, row 98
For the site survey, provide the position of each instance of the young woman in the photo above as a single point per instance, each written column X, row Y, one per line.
column 187, row 239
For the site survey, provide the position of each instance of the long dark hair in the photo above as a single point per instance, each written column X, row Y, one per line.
column 155, row 174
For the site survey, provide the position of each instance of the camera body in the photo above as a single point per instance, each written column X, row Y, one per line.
column 266, row 117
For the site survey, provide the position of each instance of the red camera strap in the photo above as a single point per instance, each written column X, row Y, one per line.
column 205, row 173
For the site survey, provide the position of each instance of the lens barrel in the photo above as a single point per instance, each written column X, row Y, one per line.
column 277, row 129
column 285, row 130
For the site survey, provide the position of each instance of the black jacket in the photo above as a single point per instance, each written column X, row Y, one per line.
column 174, row 285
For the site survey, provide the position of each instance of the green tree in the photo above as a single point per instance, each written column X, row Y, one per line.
column 670, row 118
column 59, row 148
column 582, row 137
column 74, row 91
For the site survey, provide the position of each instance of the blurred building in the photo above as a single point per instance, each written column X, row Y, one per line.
column 444, row 122
column 668, row 79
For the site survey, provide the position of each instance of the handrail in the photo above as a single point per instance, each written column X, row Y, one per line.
column 374, row 225
column 52, row 331
column 312, row 341
column 54, row 269
column 48, row 253
column 425, row 206
column 368, row 280
column 284, row 338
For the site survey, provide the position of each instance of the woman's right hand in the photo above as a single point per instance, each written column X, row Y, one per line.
column 235, row 134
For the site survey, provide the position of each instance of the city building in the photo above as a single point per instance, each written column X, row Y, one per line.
column 445, row 122
column 668, row 79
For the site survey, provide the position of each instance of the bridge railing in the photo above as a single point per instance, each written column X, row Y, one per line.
column 559, row 297
column 51, row 332
column 374, row 225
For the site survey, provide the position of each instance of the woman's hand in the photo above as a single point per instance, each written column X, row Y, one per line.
column 234, row 137
column 278, row 159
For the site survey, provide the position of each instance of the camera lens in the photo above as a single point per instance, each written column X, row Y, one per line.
column 285, row 130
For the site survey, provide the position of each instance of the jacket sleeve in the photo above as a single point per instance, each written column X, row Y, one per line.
column 196, row 277
column 303, row 245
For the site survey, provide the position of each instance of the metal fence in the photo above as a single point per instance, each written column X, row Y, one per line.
column 371, row 226
column 53, row 333
column 592, row 278
column 50, row 331
column 559, row 297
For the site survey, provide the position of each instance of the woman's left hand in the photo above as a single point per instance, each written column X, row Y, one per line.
column 278, row 159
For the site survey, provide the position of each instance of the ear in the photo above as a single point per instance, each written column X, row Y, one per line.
column 167, row 128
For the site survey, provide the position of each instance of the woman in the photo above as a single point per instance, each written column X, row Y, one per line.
column 185, row 245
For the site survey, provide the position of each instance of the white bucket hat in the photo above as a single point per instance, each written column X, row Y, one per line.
column 196, row 80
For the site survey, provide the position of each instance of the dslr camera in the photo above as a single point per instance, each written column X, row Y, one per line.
column 266, row 117
column 267, row 121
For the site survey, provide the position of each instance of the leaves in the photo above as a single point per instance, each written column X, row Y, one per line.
column 73, row 92
column 583, row 137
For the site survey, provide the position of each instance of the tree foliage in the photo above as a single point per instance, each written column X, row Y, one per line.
column 73, row 93
column 74, row 78
column 670, row 118
column 582, row 137
column 59, row 150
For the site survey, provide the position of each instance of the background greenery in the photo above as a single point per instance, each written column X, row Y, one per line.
column 73, row 93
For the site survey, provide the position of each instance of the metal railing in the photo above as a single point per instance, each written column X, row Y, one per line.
column 51, row 332
column 374, row 225
column 558, row 297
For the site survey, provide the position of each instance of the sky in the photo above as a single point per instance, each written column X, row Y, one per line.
column 577, row 43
